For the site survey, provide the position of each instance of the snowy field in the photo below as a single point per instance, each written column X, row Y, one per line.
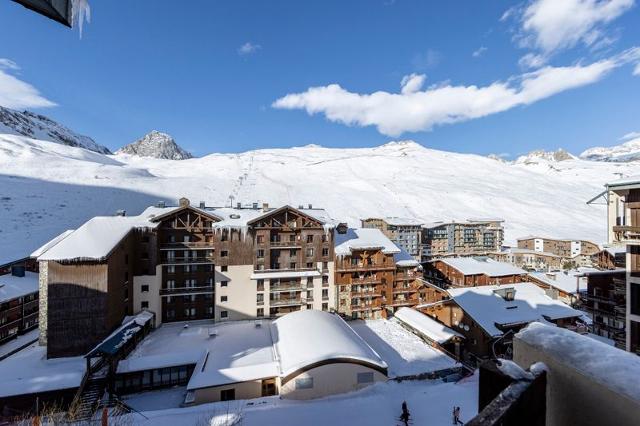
column 429, row 402
column 404, row 352
column 46, row 188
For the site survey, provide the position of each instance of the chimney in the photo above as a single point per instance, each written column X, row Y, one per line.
column 184, row 202
column 238, row 205
column 121, row 212
column 310, row 206
column 342, row 228
column 202, row 205
column 255, row 206
column 161, row 204
column 300, row 206
column 265, row 207
column 17, row 270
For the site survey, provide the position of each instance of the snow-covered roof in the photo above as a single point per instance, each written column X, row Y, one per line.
column 239, row 352
column 304, row 338
column 516, row 250
column 399, row 221
column 424, row 324
column 284, row 274
column 473, row 221
column 29, row 371
column 489, row 309
column 12, row 287
column 95, row 239
column 615, row 250
column 481, row 265
column 363, row 239
column 607, row 365
column 40, row 250
column 404, row 259
column 626, row 181
column 568, row 281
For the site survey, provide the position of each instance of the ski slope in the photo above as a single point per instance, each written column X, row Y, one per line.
column 46, row 188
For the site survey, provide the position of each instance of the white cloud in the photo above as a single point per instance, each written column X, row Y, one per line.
column 636, row 70
column 479, row 52
column 629, row 136
column 15, row 93
column 549, row 26
column 418, row 110
column 531, row 60
column 248, row 48
column 412, row 83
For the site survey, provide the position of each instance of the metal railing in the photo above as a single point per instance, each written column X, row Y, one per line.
column 192, row 245
column 186, row 290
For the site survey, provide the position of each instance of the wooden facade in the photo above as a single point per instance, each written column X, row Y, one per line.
column 445, row 276
column 18, row 314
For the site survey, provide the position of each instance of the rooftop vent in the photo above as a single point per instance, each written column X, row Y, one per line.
column 184, row 202
column 234, row 216
column 213, row 332
column 121, row 212
column 238, row 205
column 310, row 206
column 161, row 204
column 255, row 205
column 300, row 206
column 17, row 270
column 507, row 294
column 265, row 207
column 342, row 228
column 258, row 323
column 202, row 204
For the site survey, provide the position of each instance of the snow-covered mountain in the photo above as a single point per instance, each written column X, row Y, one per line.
column 401, row 179
column 535, row 157
column 628, row 151
column 38, row 126
column 156, row 144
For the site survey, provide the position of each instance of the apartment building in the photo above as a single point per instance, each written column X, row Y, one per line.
column 471, row 272
column 623, row 226
column 530, row 260
column 18, row 303
column 373, row 275
column 461, row 238
column 611, row 257
column 183, row 263
column 567, row 249
column 403, row 232
column 605, row 300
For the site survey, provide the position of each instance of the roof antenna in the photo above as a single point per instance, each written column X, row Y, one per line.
column 231, row 198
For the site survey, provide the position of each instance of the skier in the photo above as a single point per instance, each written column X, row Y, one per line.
column 404, row 417
column 456, row 416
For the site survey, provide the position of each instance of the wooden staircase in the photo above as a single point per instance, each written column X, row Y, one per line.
column 88, row 399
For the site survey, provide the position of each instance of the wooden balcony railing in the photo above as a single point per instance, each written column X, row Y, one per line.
column 627, row 232
column 191, row 245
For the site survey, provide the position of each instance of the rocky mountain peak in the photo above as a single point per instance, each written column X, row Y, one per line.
column 156, row 144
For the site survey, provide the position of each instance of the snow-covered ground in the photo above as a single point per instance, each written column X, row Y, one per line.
column 404, row 352
column 429, row 402
column 46, row 188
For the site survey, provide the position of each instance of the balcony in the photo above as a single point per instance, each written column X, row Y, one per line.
column 197, row 260
column 259, row 271
column 406, row 302
column 364, row 294
column 365, row 307
column 407, row 289
column 627, row 233
column 363, row 267
column 286, row 301
column 368, row 280
column 285, row 244
column 190, row 245
column 287, row 287
column 186, row 290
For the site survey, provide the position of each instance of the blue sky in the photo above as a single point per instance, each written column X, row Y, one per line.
column 180, row 67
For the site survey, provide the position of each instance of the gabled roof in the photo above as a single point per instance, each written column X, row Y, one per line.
column 481, row 266
column 303, row 339
column 489, row 310
column 281, row 209
column 363, row 239
column 568, row 281
column 12, row 287
column 42, row 249
column 424, row 324
column 170, row 211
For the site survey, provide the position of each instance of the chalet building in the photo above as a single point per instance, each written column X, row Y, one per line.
column 373, row 276
column 461, row 238
column 623, row 226
column 530, row 260
column 606, row 302
column 403, row 232
column 610, row 258
column 18, row 303
column 577, row 250
column 183, row 263
column 488, row 316
column 566, row 286
column 471, row 272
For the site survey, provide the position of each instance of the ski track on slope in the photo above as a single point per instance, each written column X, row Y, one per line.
column 402, row 179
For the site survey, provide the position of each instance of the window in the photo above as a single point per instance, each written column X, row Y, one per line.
column 171, row 284
column 325, row 265
column 292, row 238
column 365, row 378
column 186, row 238
column 325, row 306
column 224, row 236
column 325, row 293
column 260, row 298
column 324, row 238
column 227, row 395
column 224, row 268
column 224, row 314
column 309, row 238
column 325, row 252
column 309, row 265
column 260, row 285
column 223, row 298
column 144, row 288
column 292, row 252
column 304, row 383
column 325, row 280
column 292, row 265
column 260, row 254
column 224, row 253
column 260, row 239
column 310, row 252
column 224, row 283
column 171, row 269
column 260, row 312
column 309, row 282
column 144, row 305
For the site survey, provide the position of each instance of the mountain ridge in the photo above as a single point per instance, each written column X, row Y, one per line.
column 156, row 144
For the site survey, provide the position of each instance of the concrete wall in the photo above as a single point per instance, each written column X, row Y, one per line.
column 43, row 285
column 240, row 292
column 329, row 379
column 574, row 398
column 152, row 296
column 244, row 390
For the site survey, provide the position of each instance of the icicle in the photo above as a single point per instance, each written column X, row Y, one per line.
column 80, row 12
